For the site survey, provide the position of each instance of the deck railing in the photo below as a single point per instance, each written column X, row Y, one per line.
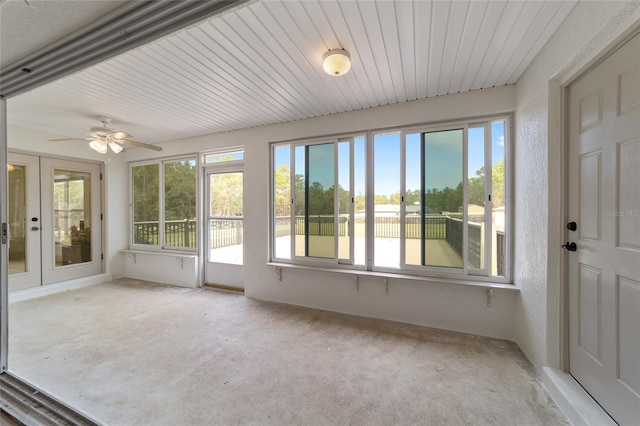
column 177, row 233
column 229, row 230
column 226, row 231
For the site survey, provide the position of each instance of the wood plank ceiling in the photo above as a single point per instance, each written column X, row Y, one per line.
column 262, row 63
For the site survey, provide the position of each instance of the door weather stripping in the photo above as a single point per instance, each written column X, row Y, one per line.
column 127, row 28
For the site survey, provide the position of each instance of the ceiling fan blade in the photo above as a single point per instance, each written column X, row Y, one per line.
column 119, row 135
column 72, row 139
column 140, row 144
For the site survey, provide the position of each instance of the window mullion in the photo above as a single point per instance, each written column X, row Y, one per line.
column 403, row 184
column 488, row 216
column 336, row 204
column 352, row 184
column 292, row 197
column 161, row 203
column 465, row 199
column 370, row 201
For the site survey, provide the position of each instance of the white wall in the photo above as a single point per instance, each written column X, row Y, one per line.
column 448, row 306
column 539, row 225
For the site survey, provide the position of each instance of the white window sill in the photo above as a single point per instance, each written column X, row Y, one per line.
column 390, row 275
column 160, row 253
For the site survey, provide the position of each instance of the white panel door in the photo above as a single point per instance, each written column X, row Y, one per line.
column 24, row 221
column 604, row 201
column 71, row 220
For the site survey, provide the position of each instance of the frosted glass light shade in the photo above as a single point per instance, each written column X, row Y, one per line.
column 115, row 147
column 336, row 62
column 98, row 146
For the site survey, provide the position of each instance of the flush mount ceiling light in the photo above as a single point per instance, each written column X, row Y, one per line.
column 336, row 62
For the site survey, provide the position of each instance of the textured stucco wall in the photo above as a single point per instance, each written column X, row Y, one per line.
column 588, row 30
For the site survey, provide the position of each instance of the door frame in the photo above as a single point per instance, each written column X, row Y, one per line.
column 559, row 107
column 101, row 207
column 212, row 169
column 33, row 241
column 95, row 266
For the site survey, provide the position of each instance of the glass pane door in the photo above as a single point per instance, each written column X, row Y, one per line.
column 17, row 219
column 225, row 229
column 71, row 222
column 72, row 217
column 24, row 221
column 226, row 224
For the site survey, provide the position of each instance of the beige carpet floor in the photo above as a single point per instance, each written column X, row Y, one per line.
column 137, row 353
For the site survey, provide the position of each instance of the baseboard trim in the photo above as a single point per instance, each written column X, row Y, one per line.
column 225, row 287
column 573, row 400
column 49, row 289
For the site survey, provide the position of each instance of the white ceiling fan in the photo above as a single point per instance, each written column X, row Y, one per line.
column 103, row 138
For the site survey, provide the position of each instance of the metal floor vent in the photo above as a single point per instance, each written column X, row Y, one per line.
column 29, row 406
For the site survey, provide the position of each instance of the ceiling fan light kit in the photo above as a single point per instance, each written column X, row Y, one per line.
column 102, row 138
column 97, row 145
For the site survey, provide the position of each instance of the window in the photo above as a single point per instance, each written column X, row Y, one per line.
column 220, row 157
column 164, row 204
column 319, row 201
column 437, row 204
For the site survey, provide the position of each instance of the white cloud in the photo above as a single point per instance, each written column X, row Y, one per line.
column 500, row 141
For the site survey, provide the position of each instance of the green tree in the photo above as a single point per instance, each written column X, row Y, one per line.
column 282, row 190
column 344, row 199
column 146, row 193
column 498, row 184
column 360, row 202
column 180, row 190
column 226, row 194
column 381, row 199
column 477, row 186
column 299, row 194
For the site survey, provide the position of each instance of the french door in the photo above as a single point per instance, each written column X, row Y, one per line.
column 225, row 228
column 55, row 221
column 604, row 203
column 24, row 222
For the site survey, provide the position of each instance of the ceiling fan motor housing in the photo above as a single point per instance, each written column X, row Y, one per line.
column 101, row 131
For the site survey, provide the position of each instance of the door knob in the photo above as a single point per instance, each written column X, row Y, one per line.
column 572, row 226
column 34, row 228
column 570, row 246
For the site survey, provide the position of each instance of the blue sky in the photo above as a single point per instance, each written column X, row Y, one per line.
column 443, row 164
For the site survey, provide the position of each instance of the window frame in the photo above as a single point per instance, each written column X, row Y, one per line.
column 336, row 260
column 161, row 246
column 465, row 273
column 213, row 168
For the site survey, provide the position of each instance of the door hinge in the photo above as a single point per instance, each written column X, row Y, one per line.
column 101, row 216
column 100, row 176
column 101, row 256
